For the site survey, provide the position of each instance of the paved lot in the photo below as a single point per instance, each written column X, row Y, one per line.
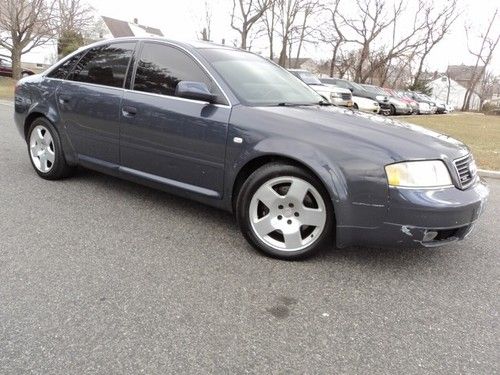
column 99, row 275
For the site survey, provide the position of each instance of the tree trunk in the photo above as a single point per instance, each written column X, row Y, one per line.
column 244, row 36
column 282, row 59
column 16, row 64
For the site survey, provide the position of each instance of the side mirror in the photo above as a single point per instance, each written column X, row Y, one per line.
column 195, row 91
column 351, row 89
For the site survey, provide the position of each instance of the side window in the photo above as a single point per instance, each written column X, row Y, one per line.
column 104, row 65
column 65, row 68
column 161, row 68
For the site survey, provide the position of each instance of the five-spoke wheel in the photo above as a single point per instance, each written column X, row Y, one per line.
column 284, row 211
column 42, row 149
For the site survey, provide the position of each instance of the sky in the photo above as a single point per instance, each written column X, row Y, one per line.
column 183, row 19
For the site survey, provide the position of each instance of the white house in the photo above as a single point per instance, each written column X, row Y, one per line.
column 451, row 92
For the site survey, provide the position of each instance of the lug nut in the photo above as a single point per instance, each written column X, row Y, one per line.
column 280, row 207
column 296, row 214
column 289, row 221
column 290, row 205
column 280, row 217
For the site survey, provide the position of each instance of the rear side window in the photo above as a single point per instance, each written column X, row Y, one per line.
column 104, row 65
column 65, row 68
column 161, row 68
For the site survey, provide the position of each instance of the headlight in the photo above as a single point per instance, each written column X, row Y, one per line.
column 428, row 173
column 380, row 97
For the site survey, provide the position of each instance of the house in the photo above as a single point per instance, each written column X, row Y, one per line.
column 114, row 28
column 451, row 92
column 463, row 74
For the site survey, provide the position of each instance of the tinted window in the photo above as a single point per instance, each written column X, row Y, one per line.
column 104, row 65
column 161, row 68
column 65, row 68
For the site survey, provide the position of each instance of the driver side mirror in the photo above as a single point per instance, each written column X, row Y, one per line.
column 195, row 91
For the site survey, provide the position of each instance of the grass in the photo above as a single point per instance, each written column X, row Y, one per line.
column 480, row 132
column 7, row 88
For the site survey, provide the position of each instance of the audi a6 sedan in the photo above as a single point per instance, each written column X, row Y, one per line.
column 235, row 131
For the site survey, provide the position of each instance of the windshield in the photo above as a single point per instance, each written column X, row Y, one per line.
column 256, row 81
column 309, row 78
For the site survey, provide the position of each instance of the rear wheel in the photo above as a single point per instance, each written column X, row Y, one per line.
column 45, row 151
column 392, row 111
column 284, row 211
column 355, row 106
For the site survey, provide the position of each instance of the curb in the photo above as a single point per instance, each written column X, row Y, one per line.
column 490, row 174
column 9, row 103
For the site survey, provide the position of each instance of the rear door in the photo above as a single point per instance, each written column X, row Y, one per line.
column 168, row 139
column 89, row 101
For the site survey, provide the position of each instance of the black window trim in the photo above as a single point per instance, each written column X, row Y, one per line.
column 188, row 53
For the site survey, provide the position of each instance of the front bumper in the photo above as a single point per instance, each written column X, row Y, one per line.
column 419, row 217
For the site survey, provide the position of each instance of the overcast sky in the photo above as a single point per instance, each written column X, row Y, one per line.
column 182, row 19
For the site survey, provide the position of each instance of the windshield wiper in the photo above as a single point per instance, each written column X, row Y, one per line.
column 324, row 103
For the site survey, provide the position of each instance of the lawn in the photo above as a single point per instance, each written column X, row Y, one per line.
column 480, row 132
column 7, row 88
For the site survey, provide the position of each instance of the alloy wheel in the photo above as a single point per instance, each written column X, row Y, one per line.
column 42, row 149
column 287, row 213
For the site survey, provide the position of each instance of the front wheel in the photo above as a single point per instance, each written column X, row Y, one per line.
column 284, row 211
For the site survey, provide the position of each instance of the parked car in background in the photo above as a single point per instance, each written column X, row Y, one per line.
column 422, row 98
column 399, row 94
column 229, row 128
column 396, row 106
column 6, row 69
column 334, row 94
column 359, row 91
column 441, row 106
column 365, row 104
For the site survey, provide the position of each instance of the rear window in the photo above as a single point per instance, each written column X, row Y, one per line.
column 104, row 65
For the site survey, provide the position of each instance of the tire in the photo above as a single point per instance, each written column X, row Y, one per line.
column 392, row 111
column 45, row 151
column 355, row 106
column 277, row 227
column 24, row 74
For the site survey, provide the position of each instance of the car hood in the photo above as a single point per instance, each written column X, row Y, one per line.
column 401, row 141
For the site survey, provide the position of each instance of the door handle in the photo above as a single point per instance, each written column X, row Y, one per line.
column 64, row 99
column 129, row 111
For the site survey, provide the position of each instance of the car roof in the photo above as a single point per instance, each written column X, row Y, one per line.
column 185, row 44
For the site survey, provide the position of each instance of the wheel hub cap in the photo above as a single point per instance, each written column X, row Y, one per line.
column 42, row 149
column 287, row 213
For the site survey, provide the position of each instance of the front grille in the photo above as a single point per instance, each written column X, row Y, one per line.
column 466, row 169
column 346, row 96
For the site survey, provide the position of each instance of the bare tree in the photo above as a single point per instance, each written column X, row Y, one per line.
column 245, row 14
column 437, row 24
column 287, row 14
column 483, row 56
column 270, row 20
column 309, row 8
column 331, row 34
column 24, row 25
column 205, row 33
column 75, row 21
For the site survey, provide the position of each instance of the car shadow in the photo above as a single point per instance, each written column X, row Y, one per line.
column 374, row 256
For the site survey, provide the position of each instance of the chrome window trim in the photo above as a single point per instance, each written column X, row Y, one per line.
column 176, row 98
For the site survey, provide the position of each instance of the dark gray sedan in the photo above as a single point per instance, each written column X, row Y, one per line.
column 233, row 130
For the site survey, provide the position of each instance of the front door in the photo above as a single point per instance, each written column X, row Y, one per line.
column 173, row 140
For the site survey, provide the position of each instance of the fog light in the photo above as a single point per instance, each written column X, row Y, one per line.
column 430, row 235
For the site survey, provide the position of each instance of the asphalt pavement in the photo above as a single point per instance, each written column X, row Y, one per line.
column 99, row 275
